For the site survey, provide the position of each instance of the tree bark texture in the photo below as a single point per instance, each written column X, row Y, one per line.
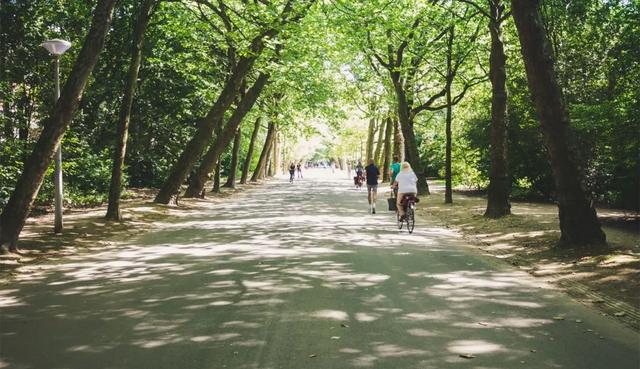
column 398, row 140
column 380, row 143
column 144, row 15
column 388, row 137
column 231, row 179
column 448, row 182
column 267, row 167
column 258, row 173
column 17, row 209
column 579, row 223
column 216, row 179
column 371, row 134
column 225, row 136
column 499, row 183
column 247, row 160
column 273, row 168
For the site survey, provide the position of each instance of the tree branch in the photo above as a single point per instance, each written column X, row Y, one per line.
column 428, row 103
column 478, row 7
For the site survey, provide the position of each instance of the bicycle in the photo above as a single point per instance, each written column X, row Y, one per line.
column 358, row 180
column 408, row 203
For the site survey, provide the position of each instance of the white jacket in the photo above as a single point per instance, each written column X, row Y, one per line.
column 407, row 182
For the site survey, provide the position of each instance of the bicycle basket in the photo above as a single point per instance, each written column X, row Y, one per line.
column 392, row 204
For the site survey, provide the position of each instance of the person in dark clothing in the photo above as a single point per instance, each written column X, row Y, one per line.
column 373, row 173
column 359, row 177
column 292, row 172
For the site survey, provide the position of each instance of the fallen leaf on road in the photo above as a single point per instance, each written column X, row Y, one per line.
column 578, row 321
column 620, row 313
column 313, row 355
column 467, row 356
column 344, row 325
column 534, row 351
column 335, row 337
column 597, row 301
column 559, row 317
column 483, row 323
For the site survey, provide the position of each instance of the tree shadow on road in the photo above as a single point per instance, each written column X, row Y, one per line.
column 284, row 280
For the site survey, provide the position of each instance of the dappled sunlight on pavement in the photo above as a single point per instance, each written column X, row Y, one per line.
column 296, row 276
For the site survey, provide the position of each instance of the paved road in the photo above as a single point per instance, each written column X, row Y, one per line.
column 298, row 276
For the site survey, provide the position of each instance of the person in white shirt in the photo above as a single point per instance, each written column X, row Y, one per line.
column 407, row 184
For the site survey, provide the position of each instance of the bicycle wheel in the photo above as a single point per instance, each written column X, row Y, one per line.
column 410, row 219
column 400, row 221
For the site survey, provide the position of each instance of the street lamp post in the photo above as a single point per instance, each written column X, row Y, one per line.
column 57, row 47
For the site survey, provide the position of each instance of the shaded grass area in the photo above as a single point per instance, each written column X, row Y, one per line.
column 529, row 236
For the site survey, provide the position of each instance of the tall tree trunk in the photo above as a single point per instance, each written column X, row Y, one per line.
column 398, row 140
column 448, row 185
column 380, row 143
column 258, row 173
column 203, row 135
column 17, row 209
column 7, row 127
column 144, row 15
column 579, row 223
column 406, row 125
column 273, row 155
column 27, row 108
column 268, row 170
column 216, row 179
column 231, row 180
column 499, row 183
column 212, row 156
column 370, row 137
column 247, row 160
column 387, row 149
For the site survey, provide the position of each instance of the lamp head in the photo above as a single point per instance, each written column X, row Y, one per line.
column 56, row 46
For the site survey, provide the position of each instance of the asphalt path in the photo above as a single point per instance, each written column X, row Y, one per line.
column 298, row 276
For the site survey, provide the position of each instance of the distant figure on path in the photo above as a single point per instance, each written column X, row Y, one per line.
column 373, row 173
column 292, row 172
column 299, row 167
column 407, row 185
column 359, row 169
column 348, row 169
column 359, row 178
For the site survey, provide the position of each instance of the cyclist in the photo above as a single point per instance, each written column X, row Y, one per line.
column 394, row 169
column 373, row 173
column 359, row 177
column 407, row 185
column 292, row 172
